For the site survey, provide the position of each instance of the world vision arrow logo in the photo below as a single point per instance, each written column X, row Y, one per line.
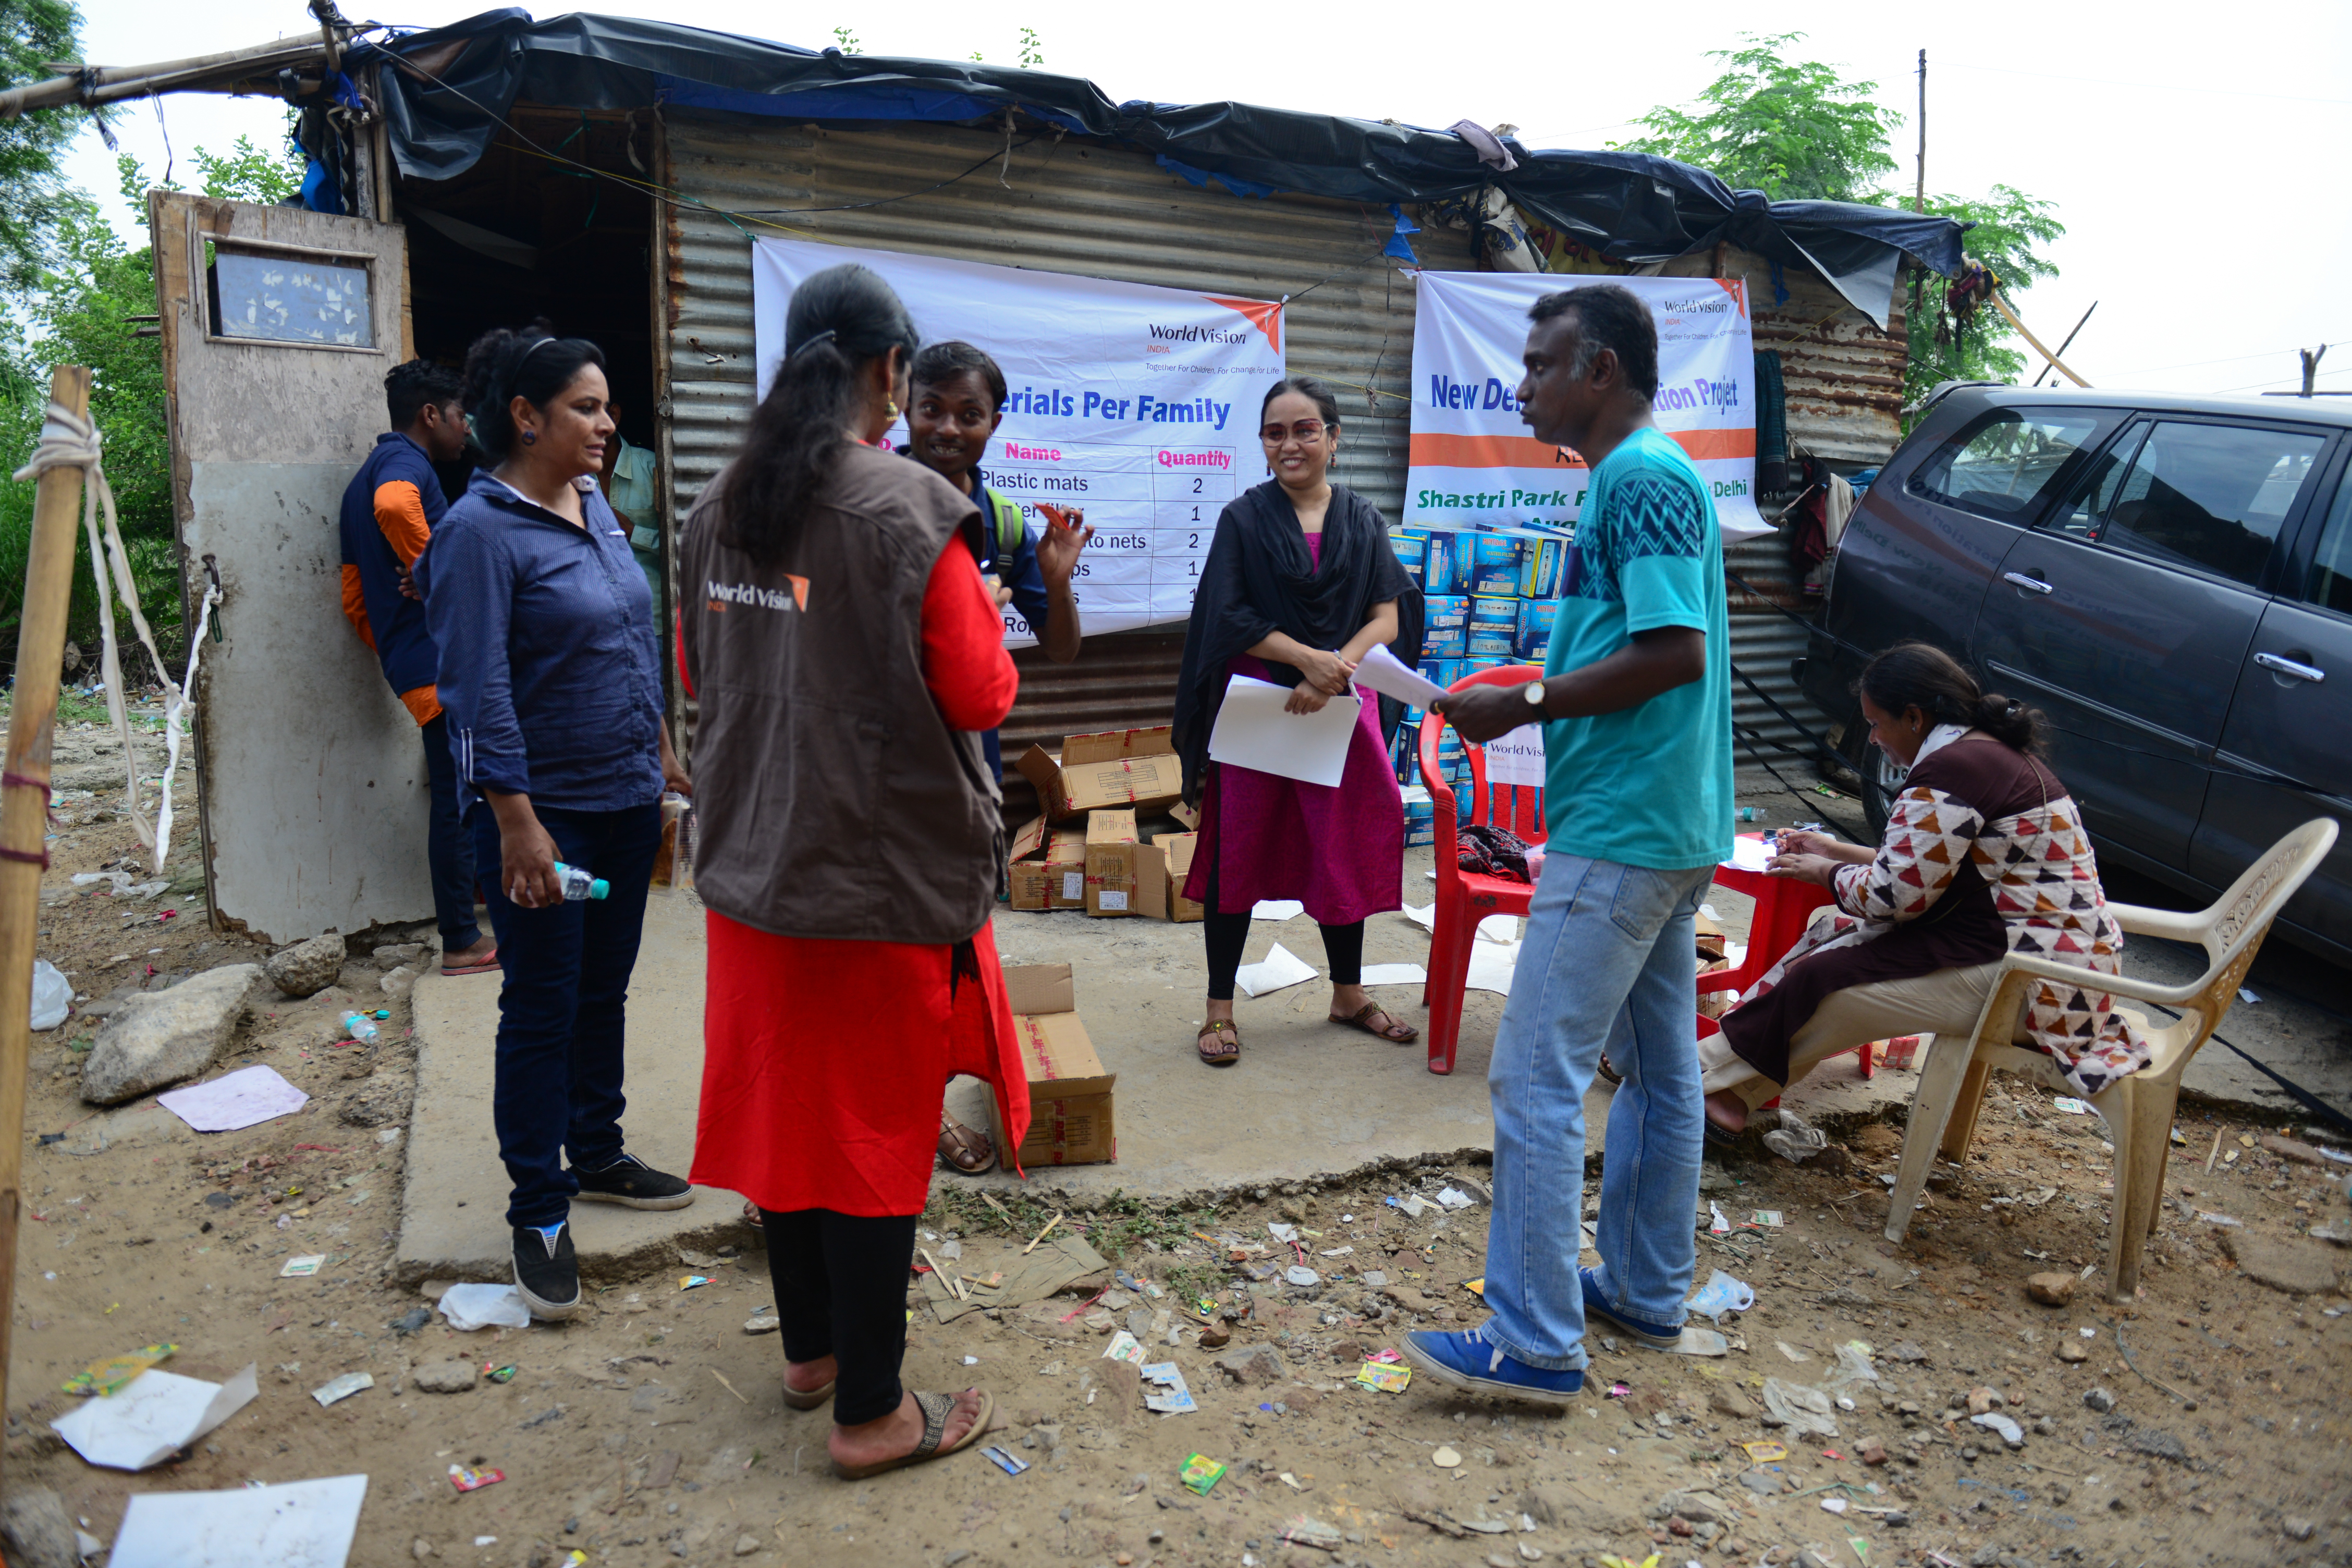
column 1266, row 316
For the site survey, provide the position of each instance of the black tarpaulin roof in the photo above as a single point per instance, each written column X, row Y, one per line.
column 447, row 90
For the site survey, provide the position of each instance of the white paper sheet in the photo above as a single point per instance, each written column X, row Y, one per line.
column 1425, row 916
column 471, row 1307
column 1392, row 677
column 1277, row 909
column 245, row 1097
column 153, row 1416
column 300, row 1524
column 1517, row 758
column 1252, row 731
column 1499, row 928
column 1394, row 974
column 1749, row 853
column 1281, row 968
column 1491, row 965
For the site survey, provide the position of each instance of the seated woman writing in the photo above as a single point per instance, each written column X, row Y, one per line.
column 1984, row 855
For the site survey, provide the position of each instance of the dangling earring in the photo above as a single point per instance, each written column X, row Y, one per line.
column 529, row 437
column 890, row 406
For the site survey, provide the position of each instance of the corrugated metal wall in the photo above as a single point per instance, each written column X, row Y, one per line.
column 1059, row 205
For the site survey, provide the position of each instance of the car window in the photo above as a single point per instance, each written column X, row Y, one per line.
column 2000, row 465
column 2210, row 496
column 2096, row 491
column 2329, row 585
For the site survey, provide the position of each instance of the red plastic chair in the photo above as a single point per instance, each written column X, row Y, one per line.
column 1784, row 907
column 1465, row 897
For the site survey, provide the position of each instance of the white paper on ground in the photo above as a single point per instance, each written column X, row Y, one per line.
column 1491, row 964
column 1424, row 917
column 470, row 1306
column 1281, row 968
column 1394, row 974
column 299, row 1524
column 1749, row 855
column 1517, row 758
column 1499, row 928
column 1392, row 677
column 1277, row 909
column 1254, row 730
column 245, row 1097
column 153, row 1416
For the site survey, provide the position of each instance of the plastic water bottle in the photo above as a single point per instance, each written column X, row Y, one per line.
column 361, row 1027
column 578, row 884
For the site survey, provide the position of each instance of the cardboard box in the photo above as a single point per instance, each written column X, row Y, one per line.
column 1112, row 850
column 1026, row 873
column 1161, row 872
column 1536, row 619
column 1065, row 869
column 1493, row 629
column 1495, row 559
column 1447, row 563
column 1071, row 1117
column 1540, row 565
column 1116, row 768
column 1413, row 554
column 1446, row 622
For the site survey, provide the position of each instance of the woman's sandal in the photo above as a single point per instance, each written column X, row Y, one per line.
column 1216, row 1030
column 1362, row 1018
column 936, row 1409
column 966, row 1149
column 809, row 1401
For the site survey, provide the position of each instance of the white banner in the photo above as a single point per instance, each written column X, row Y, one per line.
column 1474, row 463
column 1138, row 404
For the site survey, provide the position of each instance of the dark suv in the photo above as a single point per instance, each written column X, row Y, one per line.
column 2170, row 579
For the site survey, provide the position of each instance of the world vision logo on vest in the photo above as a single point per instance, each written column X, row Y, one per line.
column 723, row 595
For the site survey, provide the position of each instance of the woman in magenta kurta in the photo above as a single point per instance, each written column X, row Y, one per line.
column 1299, row 584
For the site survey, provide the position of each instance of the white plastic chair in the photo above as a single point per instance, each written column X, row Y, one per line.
column 2137, row 1108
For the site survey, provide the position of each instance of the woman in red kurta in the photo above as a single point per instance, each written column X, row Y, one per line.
column 845, row 654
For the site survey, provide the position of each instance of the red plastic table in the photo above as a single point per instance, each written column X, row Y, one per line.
column 1784, row 907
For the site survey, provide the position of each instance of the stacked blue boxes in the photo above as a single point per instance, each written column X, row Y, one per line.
column 1445, row 626
column 1536, row 619
column 1490, row 596
column 1492, row 628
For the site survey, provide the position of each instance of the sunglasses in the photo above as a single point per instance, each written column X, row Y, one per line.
column 1307, row 431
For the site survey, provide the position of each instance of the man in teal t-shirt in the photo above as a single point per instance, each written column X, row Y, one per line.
column 1635, row 704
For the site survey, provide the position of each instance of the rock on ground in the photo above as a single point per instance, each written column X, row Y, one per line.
column 308, row 967
column 444, row 1377
column 2051, row 1289
column 39, row 1533
column 2296, row 1268
column 167, row 1035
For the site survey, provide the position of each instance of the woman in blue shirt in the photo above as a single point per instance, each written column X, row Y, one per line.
column 550, row 673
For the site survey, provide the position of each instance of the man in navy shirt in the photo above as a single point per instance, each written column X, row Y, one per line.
column 390, row 510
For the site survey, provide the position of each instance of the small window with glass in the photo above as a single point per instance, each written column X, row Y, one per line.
column 288, row 294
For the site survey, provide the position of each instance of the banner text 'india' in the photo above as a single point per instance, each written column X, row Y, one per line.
column 1139, row 405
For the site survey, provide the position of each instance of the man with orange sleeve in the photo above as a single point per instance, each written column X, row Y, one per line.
column 389, row 510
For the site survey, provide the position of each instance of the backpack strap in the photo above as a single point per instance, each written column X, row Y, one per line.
column 1010, row 529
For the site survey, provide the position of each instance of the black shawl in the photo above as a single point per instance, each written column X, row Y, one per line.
column 1259, row 579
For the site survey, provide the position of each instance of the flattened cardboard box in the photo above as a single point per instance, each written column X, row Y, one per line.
column 1026, row 873
column 1166, row 861
column 1112, row 851
column 1071, row 1118
column 1132, row 768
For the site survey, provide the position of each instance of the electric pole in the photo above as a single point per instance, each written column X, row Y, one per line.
column 2311, row 366
column 1919, row 199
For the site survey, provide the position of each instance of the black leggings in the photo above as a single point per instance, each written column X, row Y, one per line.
column 1227, row 935
column 841, row 1290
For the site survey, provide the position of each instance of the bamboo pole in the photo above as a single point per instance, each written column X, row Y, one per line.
column 25, row 816
column 2010, row 317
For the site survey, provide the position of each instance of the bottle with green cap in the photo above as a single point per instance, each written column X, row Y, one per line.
column 578, row 884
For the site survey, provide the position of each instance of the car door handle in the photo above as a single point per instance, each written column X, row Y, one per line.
column 2289, row 667
column 2032, row 585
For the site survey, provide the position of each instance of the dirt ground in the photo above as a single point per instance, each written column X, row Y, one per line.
column 651, row 1432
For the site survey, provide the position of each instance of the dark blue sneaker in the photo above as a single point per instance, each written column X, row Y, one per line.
column 1467, row 1361
column 1656, row 1336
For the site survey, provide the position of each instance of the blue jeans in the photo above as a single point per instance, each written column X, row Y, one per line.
column 1608, row 960
column 448, row 846
column 560, row 1008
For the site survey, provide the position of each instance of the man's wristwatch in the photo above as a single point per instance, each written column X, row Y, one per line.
column 1535, row 690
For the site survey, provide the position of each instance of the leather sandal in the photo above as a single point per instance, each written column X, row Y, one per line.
column 936, row 1409
column 967, row 1150
column 1212, row 1040
column 1393, row 1032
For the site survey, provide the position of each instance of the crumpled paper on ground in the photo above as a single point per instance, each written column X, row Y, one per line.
column 153, row 1416
column 1853, row 1365
column 1060, row 1261
column 1795, row 1140
column 471, row 1307
column 1801, row 1408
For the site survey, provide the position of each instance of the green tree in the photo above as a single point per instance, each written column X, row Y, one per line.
column 1033, row 51
column 33, row 33
column 1797, row 130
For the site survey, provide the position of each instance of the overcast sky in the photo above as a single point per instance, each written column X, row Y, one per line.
column 2180, row 144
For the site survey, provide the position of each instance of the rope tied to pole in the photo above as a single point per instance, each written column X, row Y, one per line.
column 70, row 440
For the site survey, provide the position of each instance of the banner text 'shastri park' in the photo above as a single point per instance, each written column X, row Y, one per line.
column 1474, row 463
column 1139, row 405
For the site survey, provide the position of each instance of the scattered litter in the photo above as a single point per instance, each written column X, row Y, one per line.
column 1009, row 1463
column 1336, row 1252
column 692, row 1281
column 1124, row 1347
column 1414, row 1204
column 297, row 1524
column 1800, row 1408
column 1499, row 929
column 1834, row 1505
column 1764, row 1453
column 1304, row 1529
column 1791, row 1352
column 1276, row 909
column 154, row 1416
column 1701, row 1341
column 1286, row 1234
column 1281, row 968
column 1297, row 1275
column 471, row 1480
column 1393, row 974
column 1769, row 1219
column 1476, row 1286
column 2248, row 997
column 506, row 1374
column 1853, row 1365
column 1716, row 1224
column 1200, row 1473
column 1385, row 1377
column 1446, row 1459
column 471, row 1307
column 1618, row 1390
column 2221, row 1219
column 1177, row 1399
column 52, row 995
column 245, row 1097
column 1453, row 1198
column 2072, row 1106
column 303, row 1268
column 1796, row 1140
column 341, row 1387
column 1994, row 1421
column 411, row 1320
column 103, row 1377
column 1721, row 1294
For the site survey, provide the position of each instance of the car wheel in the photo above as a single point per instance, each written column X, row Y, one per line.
column 1882, row 781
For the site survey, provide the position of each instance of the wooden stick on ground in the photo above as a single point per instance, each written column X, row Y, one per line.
column 25, row 815
column 941, row 1275
column 1042, row 1235
column 2216, row 1153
